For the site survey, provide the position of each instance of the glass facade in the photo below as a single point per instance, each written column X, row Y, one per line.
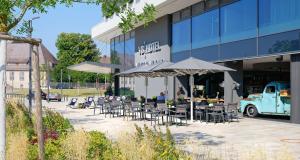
column 181, row 35
column 238, row 21
column 122, row 50
column 205, row 29
column 235, row 29
column 278, row 16
column 129, row 50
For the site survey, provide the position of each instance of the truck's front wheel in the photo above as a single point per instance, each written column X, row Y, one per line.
column 252, row 111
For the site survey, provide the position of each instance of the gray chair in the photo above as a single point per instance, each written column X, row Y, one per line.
column 231, row 111
column 181, row 113
column 115, row 107
column 149, row 109
column 162, row 111
column 200, row 112
column 216, row 113
column 100, row 104
column 136, row 110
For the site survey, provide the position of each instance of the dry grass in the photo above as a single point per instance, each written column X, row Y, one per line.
column 17, row 146
column 255, row 152
column 131, row 150
column 75, row 146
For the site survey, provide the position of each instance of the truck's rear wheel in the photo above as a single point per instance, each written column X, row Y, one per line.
column 252, row 111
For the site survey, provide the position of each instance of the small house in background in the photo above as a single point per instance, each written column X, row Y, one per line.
column 17, row 68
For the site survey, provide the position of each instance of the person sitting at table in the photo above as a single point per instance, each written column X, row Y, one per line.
column 161, row 97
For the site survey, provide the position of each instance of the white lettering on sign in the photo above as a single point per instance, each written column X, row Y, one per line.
column 149, row 48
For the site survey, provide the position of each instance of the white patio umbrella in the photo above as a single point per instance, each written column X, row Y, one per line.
column 147, row 71
column 94, row 67
column 192, row 66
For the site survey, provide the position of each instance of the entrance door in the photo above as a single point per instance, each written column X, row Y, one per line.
column 269, row 99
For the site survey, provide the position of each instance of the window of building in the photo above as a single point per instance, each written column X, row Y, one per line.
column 21, row 76
column 210, row 4
column 119, row 49
column 185, row 13
column 198, row 8
column 239, row 21
column 205, row 29
column 278, row 16
column 11, row 76
column 129, row 50
column 181, row 36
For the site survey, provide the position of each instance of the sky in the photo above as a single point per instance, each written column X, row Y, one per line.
column 79, row 19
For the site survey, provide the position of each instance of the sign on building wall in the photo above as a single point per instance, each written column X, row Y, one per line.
column 149, row 48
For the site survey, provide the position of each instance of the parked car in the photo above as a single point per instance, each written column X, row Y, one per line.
column 275, row 100
column 63, row 86
column 54, row 96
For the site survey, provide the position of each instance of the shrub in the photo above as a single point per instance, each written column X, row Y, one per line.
column 54, row 121
column 76, row 145
column 18, row 120
column 98, row 145
column 147, row 144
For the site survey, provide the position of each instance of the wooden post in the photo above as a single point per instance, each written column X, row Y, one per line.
column 38, row 102
column 3, row 44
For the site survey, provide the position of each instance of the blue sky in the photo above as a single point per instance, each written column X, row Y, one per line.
column 79, row 19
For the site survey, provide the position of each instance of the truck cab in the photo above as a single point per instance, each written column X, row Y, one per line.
column 275, row 100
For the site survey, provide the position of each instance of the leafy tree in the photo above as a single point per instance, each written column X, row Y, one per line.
column 13, row 11
column 74, row 48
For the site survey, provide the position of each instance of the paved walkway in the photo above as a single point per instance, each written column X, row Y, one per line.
column 249, row 136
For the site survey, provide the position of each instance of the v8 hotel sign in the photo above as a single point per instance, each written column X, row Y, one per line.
column 149, row 48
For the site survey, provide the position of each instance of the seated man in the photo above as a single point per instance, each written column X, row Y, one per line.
column 161, row 97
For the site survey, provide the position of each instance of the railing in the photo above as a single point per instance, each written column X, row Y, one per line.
column 20, row 98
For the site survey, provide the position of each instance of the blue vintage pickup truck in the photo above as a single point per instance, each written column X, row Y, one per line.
column 274, row 100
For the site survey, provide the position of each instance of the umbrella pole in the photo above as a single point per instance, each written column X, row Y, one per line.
column 146, row 84
column 192, row 104
column 166, row 89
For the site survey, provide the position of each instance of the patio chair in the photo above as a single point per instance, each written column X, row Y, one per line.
column 231, row 112
column 100, row 105
column 200, row 111
column 163, row 111
column 115, row 107
column 88, row 103
column 216, row 113
column 149, row 109
column 136, row 109
column 106, row 108
column 72, row 103
column 127, row 109
column 181, row 113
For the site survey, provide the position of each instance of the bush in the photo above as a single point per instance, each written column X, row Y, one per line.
column 18, row 120
column 147, row 144
column 98, row 145
column 53, row 121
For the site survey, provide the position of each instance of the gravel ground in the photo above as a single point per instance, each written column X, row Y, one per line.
column 235, row 139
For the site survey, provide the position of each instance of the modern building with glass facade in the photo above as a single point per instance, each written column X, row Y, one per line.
column 260, row 39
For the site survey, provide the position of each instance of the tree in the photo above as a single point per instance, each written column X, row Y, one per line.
column 12, row 13
column 74, row 48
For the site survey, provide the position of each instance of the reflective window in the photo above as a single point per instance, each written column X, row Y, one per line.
column 129, row 52
column 119, row 48
column 278, row 16
column 205, row 29
column 238, row 20
column 181, row 36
